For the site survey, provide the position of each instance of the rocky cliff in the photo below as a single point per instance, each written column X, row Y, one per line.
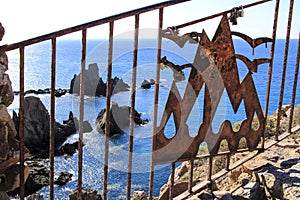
column 9, row 145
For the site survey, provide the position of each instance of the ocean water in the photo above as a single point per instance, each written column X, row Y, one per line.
column 37, row 76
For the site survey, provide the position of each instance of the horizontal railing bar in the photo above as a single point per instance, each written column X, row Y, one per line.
column 218, row 14
column 90, row 24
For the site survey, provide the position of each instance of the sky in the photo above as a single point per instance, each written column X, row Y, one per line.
column 31, row 18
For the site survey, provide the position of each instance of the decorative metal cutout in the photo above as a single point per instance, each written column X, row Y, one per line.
column 214, row 69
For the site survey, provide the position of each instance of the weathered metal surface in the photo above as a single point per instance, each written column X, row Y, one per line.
column 214, row 69
column 52, row 118
column 21, row 125
column 81, row 112
column 132, row 105
column 218, row 14
column 108, row 107
column 91, row 24
column 286, row 54
column 294, row 87
column 270, row 72
column 156, row 94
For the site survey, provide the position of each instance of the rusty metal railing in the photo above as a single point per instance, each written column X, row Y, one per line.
column 257, row 150
column 53, row 36
column 110, row 21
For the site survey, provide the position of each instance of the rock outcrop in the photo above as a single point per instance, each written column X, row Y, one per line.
column 63, row 178
column 119, row 119
column 37, row 127
column 94, row 85
column 274, row 174
column 146, row 84
column 67, row 149
column 39, row 177
column 87, row 194
column 9, row 145
column 58, row 92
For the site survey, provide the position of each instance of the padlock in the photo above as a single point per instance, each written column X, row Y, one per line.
column 241, row 12
column 233, row 16
column 234, row 20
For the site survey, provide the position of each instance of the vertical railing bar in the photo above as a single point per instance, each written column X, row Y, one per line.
column 21, row 125
column 191, row 174
column 52, row 118
column 81, row 113
column 270, row 69
column 108, row 108
column 286, row 52
column 294, row 87
column 227, row 161
column 209, row 174
column 156, row 94
column 171, row 186
column 132, row 106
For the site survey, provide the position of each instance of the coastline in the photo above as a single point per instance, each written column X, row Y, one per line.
column 233, row 184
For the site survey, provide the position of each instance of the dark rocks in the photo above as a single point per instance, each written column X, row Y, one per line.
column 119, row 119
column 87, row 194
column 63, row 178
column 39, row 177
column 35, row 197
column 86, row 125
column 94, row 85
column 37, row 127
column 58, row 92
column 67, row 149
column 146, row 84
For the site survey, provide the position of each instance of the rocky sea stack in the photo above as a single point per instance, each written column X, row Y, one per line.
column 94, row 85
column 119, row 119
column 37, row 127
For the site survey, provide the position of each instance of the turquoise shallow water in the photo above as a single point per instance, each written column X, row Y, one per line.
column 37, row 76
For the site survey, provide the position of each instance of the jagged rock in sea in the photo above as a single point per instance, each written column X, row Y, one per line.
column 37, row 127
column 67, row 149
column 63, row 178
column 9, row 145
column 87, row 194
column 119, row 119
column 39, row 177
column 58, row 92
column 86, row 124
column 146, row 84
column 94, row 85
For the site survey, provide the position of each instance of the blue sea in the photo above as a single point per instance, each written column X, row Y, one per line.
column 37, row 76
